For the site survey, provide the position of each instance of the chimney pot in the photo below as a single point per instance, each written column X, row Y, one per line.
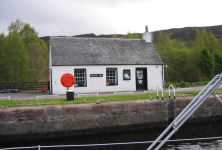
column 146, row 29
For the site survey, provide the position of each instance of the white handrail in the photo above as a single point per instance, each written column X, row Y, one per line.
column 157, row 92
column 17, row 148
column 186, row 113
column 171, row 87
column 111, row 144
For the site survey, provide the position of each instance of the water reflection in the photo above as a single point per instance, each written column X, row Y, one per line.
column 212, row 128
column 211, row 145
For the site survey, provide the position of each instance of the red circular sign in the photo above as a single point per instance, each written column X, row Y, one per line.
column 68, row 80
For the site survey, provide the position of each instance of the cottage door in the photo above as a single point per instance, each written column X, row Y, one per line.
column 141, row 79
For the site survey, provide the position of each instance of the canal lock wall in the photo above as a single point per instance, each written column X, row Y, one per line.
column 84, row 119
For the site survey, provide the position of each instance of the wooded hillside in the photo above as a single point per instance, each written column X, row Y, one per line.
column 195, row 60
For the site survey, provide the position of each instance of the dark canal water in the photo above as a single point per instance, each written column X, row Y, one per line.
column 212, row 128
column 212, row 145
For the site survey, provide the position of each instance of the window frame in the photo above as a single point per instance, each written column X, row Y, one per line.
column 84, row 77
column 109, row 77
column 128, row 71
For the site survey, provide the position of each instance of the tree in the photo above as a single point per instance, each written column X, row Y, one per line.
column 207, row 46
column 218, row 63
column 207, row 63
column 2, row 57
column 38, row 67
column 28, row 33
column 16, row 26
column 176, row 55
column 37, row 54
column 23, row 55
column 16, row 62
column 34, row 49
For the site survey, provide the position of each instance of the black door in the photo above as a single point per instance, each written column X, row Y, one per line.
column 141, row 79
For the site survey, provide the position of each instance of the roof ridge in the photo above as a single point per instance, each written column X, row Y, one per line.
column 98, row 38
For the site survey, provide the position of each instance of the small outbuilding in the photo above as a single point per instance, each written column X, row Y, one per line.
column 105, row 64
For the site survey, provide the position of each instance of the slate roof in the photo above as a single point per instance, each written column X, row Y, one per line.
column 71, row 51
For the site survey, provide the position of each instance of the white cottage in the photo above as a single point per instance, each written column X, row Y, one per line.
column 105, row 64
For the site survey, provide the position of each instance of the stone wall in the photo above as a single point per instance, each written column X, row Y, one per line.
column 77, row 119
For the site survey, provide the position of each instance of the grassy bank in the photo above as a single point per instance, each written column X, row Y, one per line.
column 91, row 99
column 83, row 100
column 183, row 84
column 80, row 100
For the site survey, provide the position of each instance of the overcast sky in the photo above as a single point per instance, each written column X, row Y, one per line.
column 72, row 17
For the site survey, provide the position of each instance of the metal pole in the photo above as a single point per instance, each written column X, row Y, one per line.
column 186, row 113
column 157, row 93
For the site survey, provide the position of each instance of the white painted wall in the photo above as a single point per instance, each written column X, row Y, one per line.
column 98, row 84
column 147, row 36
column 155, row 77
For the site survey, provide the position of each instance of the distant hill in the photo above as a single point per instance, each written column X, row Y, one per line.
column 186, row 33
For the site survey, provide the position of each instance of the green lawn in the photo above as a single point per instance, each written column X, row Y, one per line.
column 82, row 100
column 90, row 99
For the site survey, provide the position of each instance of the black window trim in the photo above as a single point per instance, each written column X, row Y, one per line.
column 85, row 76
column 127, row 70
column 117, row 82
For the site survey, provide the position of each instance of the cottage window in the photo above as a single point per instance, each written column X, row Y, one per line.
column 111, row 76
column 126, row 74
column 81, row 79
